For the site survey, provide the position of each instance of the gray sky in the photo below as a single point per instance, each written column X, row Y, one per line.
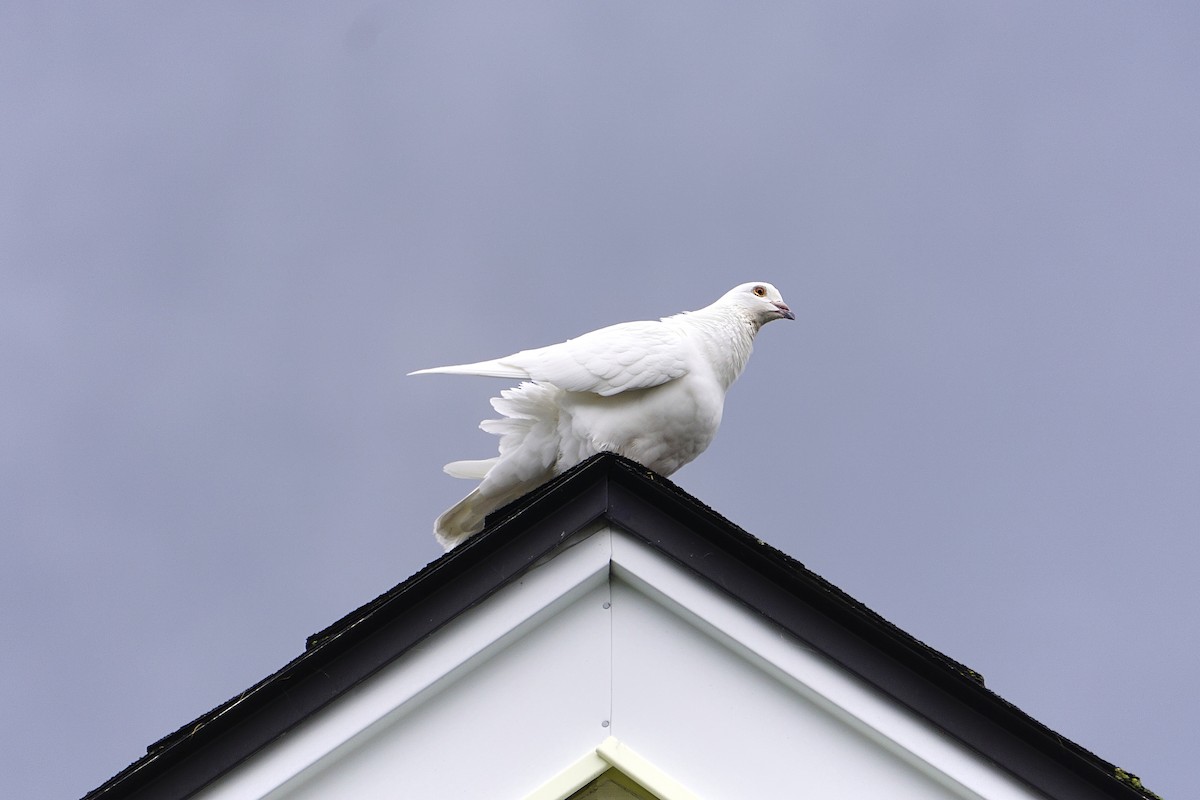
column 228, row 230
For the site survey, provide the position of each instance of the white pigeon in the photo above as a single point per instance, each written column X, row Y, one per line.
column 651, row 391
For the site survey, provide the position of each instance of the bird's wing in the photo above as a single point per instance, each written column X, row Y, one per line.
column 619, row 358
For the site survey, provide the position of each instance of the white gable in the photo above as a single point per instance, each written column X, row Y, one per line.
column 610, row 642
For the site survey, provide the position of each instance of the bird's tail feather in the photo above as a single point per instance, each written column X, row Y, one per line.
column 529, row 448
column 462, row 520
column 465, row 518
column 472, row 470
column 528, row 431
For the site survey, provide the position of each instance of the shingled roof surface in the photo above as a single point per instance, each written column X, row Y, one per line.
column 663, row 516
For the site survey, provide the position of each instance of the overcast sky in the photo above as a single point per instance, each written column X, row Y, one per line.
column 227, row 231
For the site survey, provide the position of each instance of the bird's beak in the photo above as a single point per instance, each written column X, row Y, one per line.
column 784, row 311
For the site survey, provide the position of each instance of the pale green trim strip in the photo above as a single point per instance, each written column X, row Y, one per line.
column 651, row 778
column 611, row 753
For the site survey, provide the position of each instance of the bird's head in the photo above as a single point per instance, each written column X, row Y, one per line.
column 761, row 301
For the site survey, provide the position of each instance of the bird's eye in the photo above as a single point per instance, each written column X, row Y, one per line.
column 759, row 291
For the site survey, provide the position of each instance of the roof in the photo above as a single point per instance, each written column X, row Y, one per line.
column 662, row 516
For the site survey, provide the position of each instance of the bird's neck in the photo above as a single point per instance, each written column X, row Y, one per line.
column 727, row 337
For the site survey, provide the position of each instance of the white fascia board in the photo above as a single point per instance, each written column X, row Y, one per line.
column 779, row 655
column 421, row 674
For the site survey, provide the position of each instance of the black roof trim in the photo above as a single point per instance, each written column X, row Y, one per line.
column 655, row 511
